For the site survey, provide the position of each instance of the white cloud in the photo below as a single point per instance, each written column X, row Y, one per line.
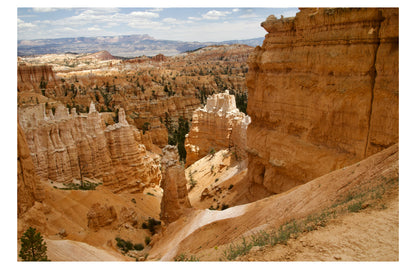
column 94, row 29
column 215, row 14
column 156, row 9
column 24, row 25
column 236, row 10
column 144, row 14
column 43, row 9
column 194, row 18
column 170, row 20
column 248, row 15
column 68, row 29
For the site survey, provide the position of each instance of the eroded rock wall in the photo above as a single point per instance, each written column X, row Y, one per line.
column 30, row 77
column 217, row 126
column 63, row 146
column 323, row 93
column 28, row 187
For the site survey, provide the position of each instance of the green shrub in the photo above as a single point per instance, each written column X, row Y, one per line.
column 235, row 250
column 355, row 207
column 184, row 258
column 224, row 206
column 147, row 240
column 138, row 246
column 151, row 225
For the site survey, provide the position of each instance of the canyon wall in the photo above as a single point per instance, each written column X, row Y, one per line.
column 175, row 201
column 63, row 146
column 323, row 93
column 217, row 126
column 30, row 77
column 28, row 186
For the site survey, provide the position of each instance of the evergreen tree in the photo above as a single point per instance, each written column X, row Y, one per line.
column 32, row 246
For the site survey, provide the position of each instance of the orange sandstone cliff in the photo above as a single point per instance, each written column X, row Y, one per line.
column 323, row 93
column 28, row 188
column 35, row 77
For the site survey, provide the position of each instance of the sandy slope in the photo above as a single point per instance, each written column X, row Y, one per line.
column 67, row 250
column 315, row 196
column 369, row 235
column 68, row 209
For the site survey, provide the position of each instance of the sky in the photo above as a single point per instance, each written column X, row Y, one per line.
column 184, row 24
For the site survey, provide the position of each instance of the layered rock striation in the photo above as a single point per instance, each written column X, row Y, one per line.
column 34, row 77
column 100, row 216
column 323, row 93
column 175, row 201
column 65, row 146
column 29, row 189
column 218, row 125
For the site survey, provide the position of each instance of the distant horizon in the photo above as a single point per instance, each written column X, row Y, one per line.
column 175, row 24
column 138, row 35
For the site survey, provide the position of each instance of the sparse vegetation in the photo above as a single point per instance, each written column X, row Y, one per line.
column 151, row 224
column 147, row 240
column 355, row 207
column 126, row 245
column 192, row 181
column 176, row 136
column 184, row 258
column 86, row 186
column 145, row 127
column 292, row 229
column 224, row 206
column 138, row 246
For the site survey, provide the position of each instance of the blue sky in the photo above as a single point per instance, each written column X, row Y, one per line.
column 185, row 24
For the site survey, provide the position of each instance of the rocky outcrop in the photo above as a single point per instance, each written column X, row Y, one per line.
column 28, row 187
column 175, row 201
column 100, row 216
column 128, row 216
column 35, row 77
column 323, row 93
column 217, row 126
column 64, row 146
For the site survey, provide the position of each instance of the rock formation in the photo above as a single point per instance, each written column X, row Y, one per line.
column 31, row 77
column 101, row 216
column 175, row 200
column 28, row 187
column 323, row 93
column 217, row 126
column 64, row 146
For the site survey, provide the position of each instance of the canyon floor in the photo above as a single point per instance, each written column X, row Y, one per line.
column 338, row 232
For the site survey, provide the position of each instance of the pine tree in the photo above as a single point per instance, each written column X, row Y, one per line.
column 32, row 246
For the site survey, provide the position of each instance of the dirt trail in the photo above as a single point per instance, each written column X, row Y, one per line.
column 202, row 218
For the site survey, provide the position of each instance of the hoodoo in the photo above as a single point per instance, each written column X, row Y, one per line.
column 219, row 125
column 67, row 146
column 175, row 201
column 323, row 93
